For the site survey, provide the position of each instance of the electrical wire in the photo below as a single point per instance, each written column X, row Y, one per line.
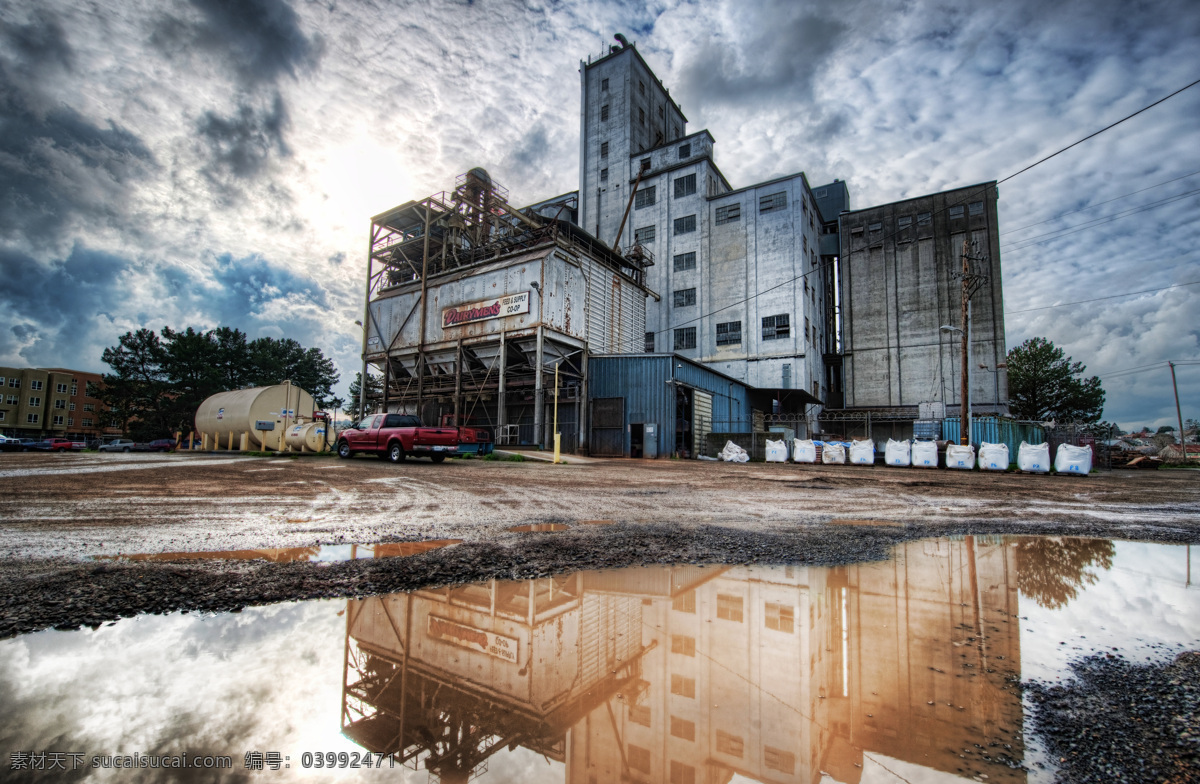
column 1100, row 203
column 1027, row 242
column 1099, row 299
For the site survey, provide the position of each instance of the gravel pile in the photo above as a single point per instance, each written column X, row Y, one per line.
column 1122, row 721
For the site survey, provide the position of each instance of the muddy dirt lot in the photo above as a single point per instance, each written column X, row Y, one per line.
column 59, row 512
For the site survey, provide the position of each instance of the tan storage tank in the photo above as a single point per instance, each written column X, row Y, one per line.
column 310, row 436
column 239, row 410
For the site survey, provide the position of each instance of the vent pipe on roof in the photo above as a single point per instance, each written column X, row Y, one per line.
column 622, row 39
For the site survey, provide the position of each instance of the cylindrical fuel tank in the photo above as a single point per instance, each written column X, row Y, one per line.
column 310, row 436
column 240, row 410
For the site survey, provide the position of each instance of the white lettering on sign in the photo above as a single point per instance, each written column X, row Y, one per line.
column 476, row 639
column 510, row 305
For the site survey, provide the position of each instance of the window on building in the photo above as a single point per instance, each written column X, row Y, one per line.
column 645, row 164
column 805, row 327
column 685, row 186
column 682, row 774
column 31, row 419
column 685, row 225
column 684, row 602
column 642, row 116
column 35, row 385
column 61, row 389
column 89, row 406
column 604, row 85
column 74, row 388
column 875, row 227
column 71, row 407
column 604, row 113
column 732, row 745
column 603, row 149
column 683, row 687
column 12, row 400
column 729, row 607
column 816, row 390
column 3, row 415
column 773, row 202
column 685, row 151
column 1, row 381
column 649, row 345
column 975, row 208
column 924, row 218
column 776, row 327
column 34, row 402
column 856, row 231
column 730, row 213
column 780, row 617
column 87, row 422
column 957, row 211
column 15, row 383
column 729, row 333
column 640, row 714
column 777, row 759
column 904, row 222
column 646, row 196
column 683, row 645
column 685, row 298
column 639, row 759
column 641, row 87
column 604, row 175
column 685, row 337
column 70, row 421
column 685, row 261
column 660, row 113
column 60, row 404
column 644, row 234
column 682, row 728
column 814, row 335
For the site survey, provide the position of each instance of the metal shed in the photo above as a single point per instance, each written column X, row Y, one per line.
column 656, row 405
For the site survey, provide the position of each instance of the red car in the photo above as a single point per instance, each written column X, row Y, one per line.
column 396, row 436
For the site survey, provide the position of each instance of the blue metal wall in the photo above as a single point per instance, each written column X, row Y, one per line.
column 646, row 381
column 995, row 430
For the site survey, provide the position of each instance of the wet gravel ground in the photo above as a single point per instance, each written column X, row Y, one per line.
column 59, row 511
column 1122, row 721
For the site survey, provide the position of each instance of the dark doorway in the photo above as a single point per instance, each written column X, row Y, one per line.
column 636, row 439
column 608, row 427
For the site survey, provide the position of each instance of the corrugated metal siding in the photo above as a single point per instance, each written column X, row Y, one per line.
column 996, row 431
column 641, row 379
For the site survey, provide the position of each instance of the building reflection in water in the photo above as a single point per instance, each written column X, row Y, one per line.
column 690, row 675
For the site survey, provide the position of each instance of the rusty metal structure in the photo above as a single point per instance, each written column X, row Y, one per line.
column 471, row 305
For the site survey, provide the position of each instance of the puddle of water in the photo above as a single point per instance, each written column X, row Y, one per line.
column 888, row 671
column 324, row 553
column 533, row 528
column 597, row 522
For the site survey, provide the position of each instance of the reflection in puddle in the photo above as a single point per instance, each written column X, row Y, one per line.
column 323, row 553
column 533, row 528
column 899, row 670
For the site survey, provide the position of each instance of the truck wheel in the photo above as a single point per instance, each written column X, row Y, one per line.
column 395, row 452
column 126, row 449
column 344, row 450
column 437, row 458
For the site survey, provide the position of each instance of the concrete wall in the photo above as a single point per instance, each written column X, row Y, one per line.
column 897, row 289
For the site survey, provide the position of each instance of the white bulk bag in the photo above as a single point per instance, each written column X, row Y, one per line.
column 1073, row 459
column 804, row 451
column 924, row 454
column 959, row 456
column 732, row 453
column 833, row 454
column 862, row 452
column 898, row 453
column 776, row 451
column 993, row 457
column 1034, row 458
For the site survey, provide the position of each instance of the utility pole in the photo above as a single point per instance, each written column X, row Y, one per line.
column 1178, row 415
column 971, row 282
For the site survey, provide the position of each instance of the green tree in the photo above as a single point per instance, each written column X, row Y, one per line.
column 1045, row 384
column 1167, row 429
column 135, row 390
column 374, row 390
column 1051, row 570
column 274, row 361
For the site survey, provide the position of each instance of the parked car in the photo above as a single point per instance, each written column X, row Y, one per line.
column 54, row 445
column 27, row 444
column 10, row 444
column 157, row 445
column 396, row 436
column 118, row 445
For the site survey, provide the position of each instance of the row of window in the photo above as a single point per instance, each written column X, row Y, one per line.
column 37, row 385
column 922, row 218
column 685, row 186
column 729, row 333
column 731, row 745
column 33, row 419
column 779, row 617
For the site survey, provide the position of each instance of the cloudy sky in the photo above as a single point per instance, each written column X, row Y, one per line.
column 215, row 162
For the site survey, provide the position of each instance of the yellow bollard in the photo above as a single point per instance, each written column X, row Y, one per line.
column 204, row 441
column 229, row 442
column 244, row 443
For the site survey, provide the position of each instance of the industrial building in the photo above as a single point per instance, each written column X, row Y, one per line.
column 812, row 317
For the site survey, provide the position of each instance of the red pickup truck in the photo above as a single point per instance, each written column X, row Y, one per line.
column 396, row 436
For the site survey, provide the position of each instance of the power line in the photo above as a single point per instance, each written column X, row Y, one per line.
column 1097, row 133
column 1028, row 242
column 1098, row 299
column 1100, row 203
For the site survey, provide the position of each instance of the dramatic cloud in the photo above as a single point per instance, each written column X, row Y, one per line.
column 222, row 158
